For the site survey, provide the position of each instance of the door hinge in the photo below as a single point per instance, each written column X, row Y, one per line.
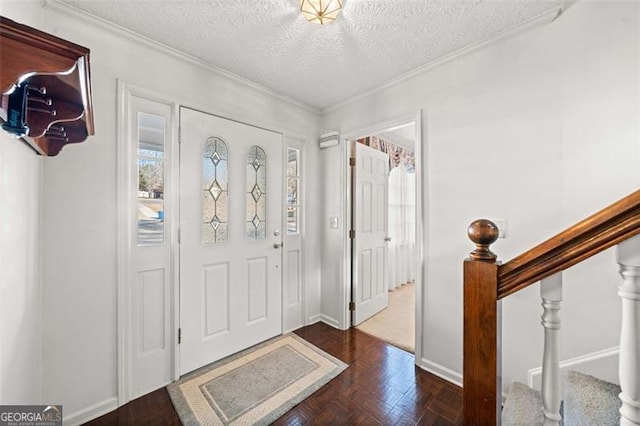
column 179, row 335
column 352, row 306
column 352, row 233
column 179, row 236
column 352, row 161
column 179, row 135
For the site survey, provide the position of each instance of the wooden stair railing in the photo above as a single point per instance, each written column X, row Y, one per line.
column 486, row 282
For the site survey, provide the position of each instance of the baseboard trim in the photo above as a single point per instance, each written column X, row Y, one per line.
column 580, row 362
column 314, row 319
column 90, row 413
column 330, row 321
column 441, row 371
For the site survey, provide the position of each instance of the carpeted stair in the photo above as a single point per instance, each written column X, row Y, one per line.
column 587, row 401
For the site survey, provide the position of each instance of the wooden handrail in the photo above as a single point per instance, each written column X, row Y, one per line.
column 486, row 282
column 608, row 227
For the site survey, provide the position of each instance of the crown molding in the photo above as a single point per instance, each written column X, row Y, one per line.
column 73, row 12
column 546, row 17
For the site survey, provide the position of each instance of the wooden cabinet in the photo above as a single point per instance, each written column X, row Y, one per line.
column 46, row 88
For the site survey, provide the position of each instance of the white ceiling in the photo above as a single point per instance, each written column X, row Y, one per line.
column 268, row 41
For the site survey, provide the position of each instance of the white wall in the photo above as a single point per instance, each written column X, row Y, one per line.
column 333, row 271
column 79, row 205
column 20, row 271
column 540, row 129
column 20, row 291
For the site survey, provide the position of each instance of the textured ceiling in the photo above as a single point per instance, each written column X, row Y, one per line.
column 268, row 42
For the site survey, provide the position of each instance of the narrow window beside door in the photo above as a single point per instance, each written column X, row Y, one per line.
column 215, row 191
column 293, row 183
column 150, row 179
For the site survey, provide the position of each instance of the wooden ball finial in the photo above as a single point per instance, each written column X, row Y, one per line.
column 483, row 233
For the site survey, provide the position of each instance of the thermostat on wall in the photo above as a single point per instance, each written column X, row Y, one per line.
column 329, row 139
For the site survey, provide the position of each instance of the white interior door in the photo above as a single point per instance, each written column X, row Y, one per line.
column 370, row 210
column 230, row 232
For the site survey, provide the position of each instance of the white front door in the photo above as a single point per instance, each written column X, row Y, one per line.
column 370, row 209
column 230, row 235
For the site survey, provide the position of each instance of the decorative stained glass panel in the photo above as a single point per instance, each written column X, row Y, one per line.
column 256, row 227
column 215, row 191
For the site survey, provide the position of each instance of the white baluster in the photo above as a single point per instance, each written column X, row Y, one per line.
column 628, row 254
column 551, row 294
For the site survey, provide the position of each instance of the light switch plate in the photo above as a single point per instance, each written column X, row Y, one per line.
column 333, row 222
column 502, row 227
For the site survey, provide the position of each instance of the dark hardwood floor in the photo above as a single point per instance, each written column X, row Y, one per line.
column 381, row 386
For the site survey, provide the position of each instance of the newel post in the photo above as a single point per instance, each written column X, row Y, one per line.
column 482, row 375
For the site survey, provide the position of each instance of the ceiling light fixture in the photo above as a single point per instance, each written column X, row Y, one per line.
column 320, row 11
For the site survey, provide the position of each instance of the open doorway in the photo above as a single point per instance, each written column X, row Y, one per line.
column 395, row 322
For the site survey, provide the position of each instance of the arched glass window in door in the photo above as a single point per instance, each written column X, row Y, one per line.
column 215, row 191
column 256, row 194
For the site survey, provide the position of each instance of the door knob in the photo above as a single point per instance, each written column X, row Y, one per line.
column 387, row 239
column 278, row 245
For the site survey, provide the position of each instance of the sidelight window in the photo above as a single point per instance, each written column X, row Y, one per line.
column 293, row 186
column 151, row 176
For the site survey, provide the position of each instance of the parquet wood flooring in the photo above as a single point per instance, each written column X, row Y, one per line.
column 382, row 386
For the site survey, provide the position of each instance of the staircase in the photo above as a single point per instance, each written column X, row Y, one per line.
column 573, row 398
column 586, row 401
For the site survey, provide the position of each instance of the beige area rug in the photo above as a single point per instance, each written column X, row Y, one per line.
column 256, row 386
column 396, row 323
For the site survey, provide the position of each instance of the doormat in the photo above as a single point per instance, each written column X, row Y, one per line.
column 256, row 386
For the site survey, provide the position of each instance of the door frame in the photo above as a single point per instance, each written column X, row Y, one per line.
column 421, row 198
column 123, row 207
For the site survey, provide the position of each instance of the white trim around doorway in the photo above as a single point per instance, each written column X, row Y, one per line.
column 421, row 197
